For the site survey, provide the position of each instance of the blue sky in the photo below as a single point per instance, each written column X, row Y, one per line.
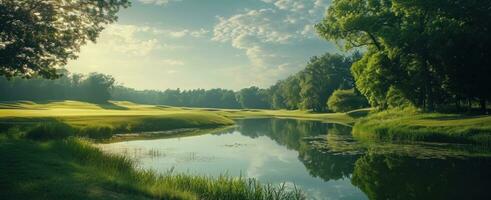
column 160, row 44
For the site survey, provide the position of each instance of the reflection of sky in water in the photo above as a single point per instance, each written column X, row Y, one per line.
column 235, row 154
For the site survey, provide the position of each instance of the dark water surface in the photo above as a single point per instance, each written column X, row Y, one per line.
column 322, row 159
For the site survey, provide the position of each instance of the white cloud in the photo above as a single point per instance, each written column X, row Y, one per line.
column 262, row 33
column 158, row 2
column 299, row 5
column 199, row 33
column 141, row 40
column 172, row 62
column 123, row 39
column 251, row 31
column 257, row 23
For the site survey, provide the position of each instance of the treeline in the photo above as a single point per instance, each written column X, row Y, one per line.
column 430, row 54
column 309, row 89
column 94, row 87
column 213, row 98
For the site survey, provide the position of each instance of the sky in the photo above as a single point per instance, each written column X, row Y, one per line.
column 189, row 44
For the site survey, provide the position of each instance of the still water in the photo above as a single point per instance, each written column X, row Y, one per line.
column 322, row 159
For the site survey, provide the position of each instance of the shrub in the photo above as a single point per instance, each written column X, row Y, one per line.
column 345, row 100
column 50, row 130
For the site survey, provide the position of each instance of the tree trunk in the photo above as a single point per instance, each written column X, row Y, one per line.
column 482, row 103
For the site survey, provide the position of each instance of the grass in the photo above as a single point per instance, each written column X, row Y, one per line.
column 104, row 120
column 74, row 169
column 411, row 125
column 40, row 158
column 96, row 121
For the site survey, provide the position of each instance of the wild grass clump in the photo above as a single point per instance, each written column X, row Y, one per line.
column 74, row 169
column 49, row 131
column 413, row 125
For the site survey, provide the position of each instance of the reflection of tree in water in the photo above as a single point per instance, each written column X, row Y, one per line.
column 285, row 132
column 392, row 176
column 291, row 133
column 326, row 165
column 329, row 165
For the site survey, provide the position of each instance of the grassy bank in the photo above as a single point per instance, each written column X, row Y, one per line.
column 60, row 119
column 74, row 169
column 410, row 125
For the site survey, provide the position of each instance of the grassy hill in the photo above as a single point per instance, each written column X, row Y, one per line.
column 49, row 119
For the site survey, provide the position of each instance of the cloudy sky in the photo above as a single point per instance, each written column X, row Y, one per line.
column 159, row 44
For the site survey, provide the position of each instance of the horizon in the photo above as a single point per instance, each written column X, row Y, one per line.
column 164, row 44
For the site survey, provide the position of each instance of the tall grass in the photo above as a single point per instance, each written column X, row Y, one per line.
column 413, row 125
column 73, row 168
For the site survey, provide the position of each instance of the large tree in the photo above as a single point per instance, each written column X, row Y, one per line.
column 433, row 52
column 39, row 35
column 322, row 76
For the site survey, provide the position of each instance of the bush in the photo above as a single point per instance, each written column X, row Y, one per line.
column 345, row 100
column 50, row 130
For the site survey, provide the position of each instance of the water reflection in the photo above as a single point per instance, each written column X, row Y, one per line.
column 323, row 159
column 392, row 176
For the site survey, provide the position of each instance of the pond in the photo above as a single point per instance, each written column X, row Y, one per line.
column 322, row 159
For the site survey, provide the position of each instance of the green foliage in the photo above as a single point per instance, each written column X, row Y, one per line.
column 345, row 100
column 398, row 176
column 253, row 97
column 396, row 99
column 37, row 36
column 94, row 87
column 310, row 88
column 50, row 131
column 433, row 53
column 321, row 77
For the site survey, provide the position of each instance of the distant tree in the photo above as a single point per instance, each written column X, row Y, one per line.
column 291, row 92
column 229, row 100
column 253, row 97
column 97, row 87
column 321, row 77
column 171, row 97
column 38, row 35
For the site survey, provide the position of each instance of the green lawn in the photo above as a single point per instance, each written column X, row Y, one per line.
column 400, row 125
column 105, row 120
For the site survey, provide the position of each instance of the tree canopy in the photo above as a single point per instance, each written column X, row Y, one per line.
column 94, row 87
column 433, row 52
column 310, row 88
column 38, row 35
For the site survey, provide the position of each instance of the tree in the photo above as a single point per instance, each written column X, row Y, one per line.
column 97, row 87
column 253, row 97
column 38, row 35
column 433, row 52
column 345, row 100
column 321, row 77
